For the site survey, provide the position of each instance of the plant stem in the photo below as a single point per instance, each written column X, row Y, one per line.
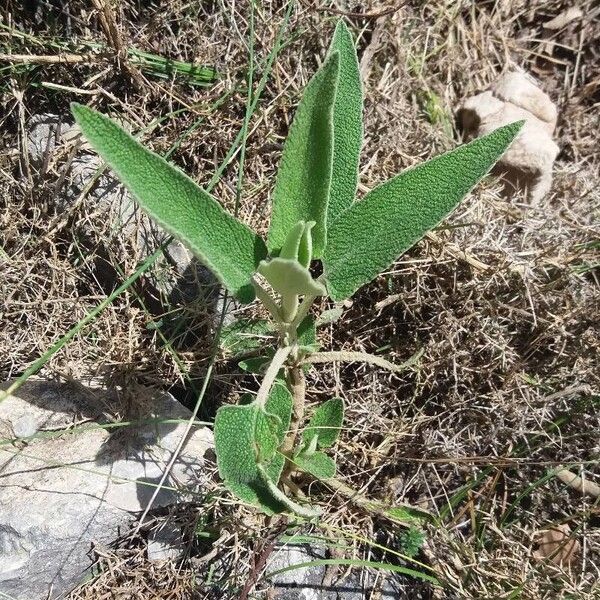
column 297, row 386
column 271, row 374
column 342, row 356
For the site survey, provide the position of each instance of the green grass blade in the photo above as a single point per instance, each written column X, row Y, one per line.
column 358, row 563
column 347, row 125
column 227, row 246
column 373, row 233
column 304, row 177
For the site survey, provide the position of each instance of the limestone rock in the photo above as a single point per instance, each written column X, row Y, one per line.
column 62, row 492
column 528, row 162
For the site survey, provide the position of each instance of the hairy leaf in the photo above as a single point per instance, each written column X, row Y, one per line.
column 347, row 125
column 304, row 177
column 289, row 277
column 224, row 244
column 245, row 335
column 307, row 334
column 371, row 234
column 246, row 436
column 318, row 464
column 325, row 424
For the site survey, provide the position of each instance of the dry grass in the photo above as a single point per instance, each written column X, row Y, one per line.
column 508, row 350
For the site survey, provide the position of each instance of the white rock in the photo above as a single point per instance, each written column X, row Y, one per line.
column 166, row 542
column 528, row 162
column 65, row 492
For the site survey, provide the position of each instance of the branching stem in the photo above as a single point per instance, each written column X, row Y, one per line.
column 342, row 356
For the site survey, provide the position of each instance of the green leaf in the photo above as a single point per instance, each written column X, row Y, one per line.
column 289, row 277
column 318, row 464
column 307, row 334
column 347, row 125
column 247, row 436
column 256, row 365
column 373, row 233
column 280, row 404
column 298, row 244
column 245, row 335
column 325, row 424
column 304, row 177
column 225, row 245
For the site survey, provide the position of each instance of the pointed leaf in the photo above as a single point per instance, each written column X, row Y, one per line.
column 347, row 125
column 318, row 464
column 280, row 404
column 224, row 244
column 245, row 335
column 373, row 233
column 307, row 334
column 325, row 424
column 304, row 177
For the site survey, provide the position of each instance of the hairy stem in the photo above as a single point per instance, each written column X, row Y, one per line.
column 342, row 356
column 297, row 386
column 271, row 374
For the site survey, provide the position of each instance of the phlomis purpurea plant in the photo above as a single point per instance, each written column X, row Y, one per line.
column 262, row 441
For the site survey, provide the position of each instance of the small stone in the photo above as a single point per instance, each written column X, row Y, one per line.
column 24, row 426
column 529, row 160
column 166, row 543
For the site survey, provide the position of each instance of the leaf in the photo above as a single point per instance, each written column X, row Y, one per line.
column 298, row 244
column 246, row 436
column 244, row 335
column 373, row 233
column 307, row 334
column 325, row 424
column 318, row 464
column 280, row 404
column 256, row 365
column 225, row 245
column 347, row 125
column 289, row 277
column 304, row 177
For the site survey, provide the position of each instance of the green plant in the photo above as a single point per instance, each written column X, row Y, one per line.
column 315, row 216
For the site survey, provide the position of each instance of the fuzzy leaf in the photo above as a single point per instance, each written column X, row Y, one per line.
column 245, row 335
column 318, row 464
column 373, row 233
column 347, row 125
column 304, row 177
column 246, row 436
column 225, row 245
column 289, row 277
column 325, row 424
column 307, row 334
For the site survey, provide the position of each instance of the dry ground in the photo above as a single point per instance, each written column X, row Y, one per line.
column 504, row 391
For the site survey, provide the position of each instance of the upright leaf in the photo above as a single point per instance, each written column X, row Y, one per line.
column 373, row 233
column 325, row 424
column 318, row 464
column 304, row 177
column 347, row 125
column 224, row 244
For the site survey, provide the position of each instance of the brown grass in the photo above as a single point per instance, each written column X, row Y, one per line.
column 507, row 350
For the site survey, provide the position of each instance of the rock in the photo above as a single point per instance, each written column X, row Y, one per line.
column 166, row 542
column 63, row 492
column 315, row 583
column 528, row 162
